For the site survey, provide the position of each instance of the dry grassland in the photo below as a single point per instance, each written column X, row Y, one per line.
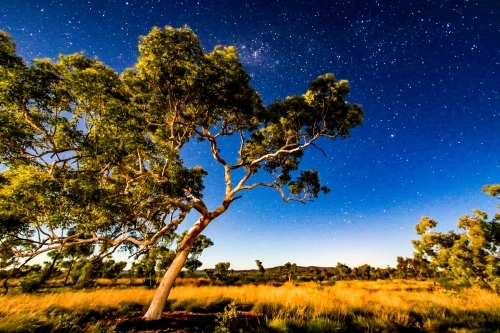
column 397, row 302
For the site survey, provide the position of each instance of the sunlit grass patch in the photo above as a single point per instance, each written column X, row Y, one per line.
column 19, row 323
column 347, row 305
column 318, row 325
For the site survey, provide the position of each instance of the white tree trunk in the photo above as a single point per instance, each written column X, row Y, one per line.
column 161, row 296
column 158, row 303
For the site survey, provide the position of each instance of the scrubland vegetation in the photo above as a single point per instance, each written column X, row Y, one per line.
column 346, row 306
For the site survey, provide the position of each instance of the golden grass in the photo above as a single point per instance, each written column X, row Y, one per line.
column 391, row 301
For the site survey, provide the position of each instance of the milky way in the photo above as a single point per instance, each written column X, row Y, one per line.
column 426, row 73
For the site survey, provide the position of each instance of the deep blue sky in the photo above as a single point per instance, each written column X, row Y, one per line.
column 426, row 72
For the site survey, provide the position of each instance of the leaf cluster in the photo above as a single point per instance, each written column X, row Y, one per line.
column 471, row 255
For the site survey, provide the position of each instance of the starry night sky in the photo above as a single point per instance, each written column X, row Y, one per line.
column 426, row 72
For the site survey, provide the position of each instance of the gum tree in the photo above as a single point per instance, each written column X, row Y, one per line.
column 471, row 254
column 91, row 156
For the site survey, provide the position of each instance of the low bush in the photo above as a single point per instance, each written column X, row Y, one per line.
column 31, row 282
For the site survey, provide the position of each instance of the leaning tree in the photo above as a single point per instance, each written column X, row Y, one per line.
column 91, row 156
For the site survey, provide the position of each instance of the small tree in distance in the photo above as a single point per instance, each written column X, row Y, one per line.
column 289, row 270
column 90, row 156
column 260, row 268
column 221, row 270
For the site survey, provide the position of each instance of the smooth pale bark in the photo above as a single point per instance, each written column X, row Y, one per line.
column 156, row 308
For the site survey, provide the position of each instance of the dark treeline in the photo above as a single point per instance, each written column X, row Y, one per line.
column 407, row 268
column 83, row 272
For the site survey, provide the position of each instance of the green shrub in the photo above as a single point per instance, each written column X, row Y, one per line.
column 88, row 275
column 228, row 320
column 231, row 280
column 332, row 280
column 31, row 282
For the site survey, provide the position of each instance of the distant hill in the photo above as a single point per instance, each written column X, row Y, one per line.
column 276, row 270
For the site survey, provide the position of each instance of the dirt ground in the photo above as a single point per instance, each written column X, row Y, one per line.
column 183, row 322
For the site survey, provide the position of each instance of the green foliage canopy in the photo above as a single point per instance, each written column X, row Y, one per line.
column 91, row 156
column 470, row 255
